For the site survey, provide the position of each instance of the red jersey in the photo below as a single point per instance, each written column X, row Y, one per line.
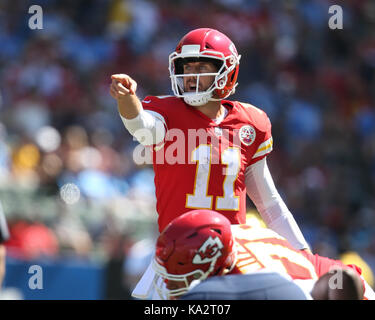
column 201, row 164
column 261, row 248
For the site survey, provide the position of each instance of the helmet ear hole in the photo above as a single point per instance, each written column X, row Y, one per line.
column 221, row 84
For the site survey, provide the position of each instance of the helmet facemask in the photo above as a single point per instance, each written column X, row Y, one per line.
column 162, row 275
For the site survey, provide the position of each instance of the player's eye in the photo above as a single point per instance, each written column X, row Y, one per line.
column 187, row 68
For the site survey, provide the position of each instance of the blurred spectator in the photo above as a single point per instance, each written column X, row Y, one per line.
column 31, row 240
column 117, row 285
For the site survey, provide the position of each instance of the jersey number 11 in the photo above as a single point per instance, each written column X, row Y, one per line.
column 200, row 199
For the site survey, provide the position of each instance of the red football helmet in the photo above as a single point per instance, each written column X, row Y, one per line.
column 194, row 246
column 200, row 45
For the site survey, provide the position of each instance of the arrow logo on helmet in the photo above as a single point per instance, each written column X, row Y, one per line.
column 209, row 251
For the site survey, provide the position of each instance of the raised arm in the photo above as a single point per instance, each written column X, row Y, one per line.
column 147, row 127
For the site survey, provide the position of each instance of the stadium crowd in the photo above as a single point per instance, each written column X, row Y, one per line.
column 66, row 168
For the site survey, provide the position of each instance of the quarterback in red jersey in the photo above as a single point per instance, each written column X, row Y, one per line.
column 202, row 163
column 207, row 152
column 201, row 243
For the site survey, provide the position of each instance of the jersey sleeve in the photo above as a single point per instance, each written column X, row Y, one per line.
column 263, row 150
column 262, row 124
column 156, row 107
column 266, row 144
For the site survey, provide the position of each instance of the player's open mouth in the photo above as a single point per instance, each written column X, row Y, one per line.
column 193, row 88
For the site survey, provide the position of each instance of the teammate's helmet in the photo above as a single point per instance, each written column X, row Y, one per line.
column 194, row 246
column 205, row 45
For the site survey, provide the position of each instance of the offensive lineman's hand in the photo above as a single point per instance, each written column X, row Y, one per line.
column 122, row 86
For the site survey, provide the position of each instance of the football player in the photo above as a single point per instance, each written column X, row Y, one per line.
column 207, row 152
column 202, row 243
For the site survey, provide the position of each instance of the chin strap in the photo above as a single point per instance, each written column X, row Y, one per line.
column 197, row 100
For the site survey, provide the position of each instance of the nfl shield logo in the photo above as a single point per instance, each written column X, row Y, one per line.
column 247, row 135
